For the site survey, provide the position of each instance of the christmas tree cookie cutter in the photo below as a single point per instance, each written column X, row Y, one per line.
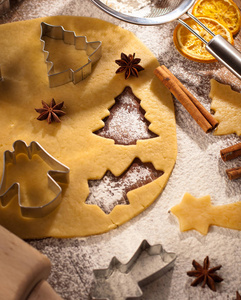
column 92, row 49
column 59, row 173
column 124, row 281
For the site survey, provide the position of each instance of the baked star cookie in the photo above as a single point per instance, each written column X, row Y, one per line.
column 74, row 141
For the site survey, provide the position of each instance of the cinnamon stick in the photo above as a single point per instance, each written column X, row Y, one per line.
column 234, row 173
column 231, row 152
column 203, row 118
column 203, row 110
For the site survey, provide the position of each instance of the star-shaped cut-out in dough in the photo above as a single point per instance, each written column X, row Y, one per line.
column 111, row 190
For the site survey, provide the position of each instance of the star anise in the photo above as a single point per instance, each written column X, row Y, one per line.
column 51, row 112
column 129, row 64
column 204, row 274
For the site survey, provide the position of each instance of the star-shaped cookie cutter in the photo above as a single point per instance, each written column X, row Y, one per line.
column 58, row 173
column 124, row 281
column 93, row 50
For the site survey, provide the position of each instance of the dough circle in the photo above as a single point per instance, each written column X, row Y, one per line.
column 72, row 141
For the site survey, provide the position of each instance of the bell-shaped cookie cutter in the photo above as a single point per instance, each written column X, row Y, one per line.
column 58, row 173
column 93, row 50
column 124, row 281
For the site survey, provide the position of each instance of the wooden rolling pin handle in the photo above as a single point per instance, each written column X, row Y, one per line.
column 43, row 291
column 21, row 267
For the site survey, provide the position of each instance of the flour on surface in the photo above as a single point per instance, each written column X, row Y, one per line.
column 111, row 190
column 199, row 170
column 126, row 123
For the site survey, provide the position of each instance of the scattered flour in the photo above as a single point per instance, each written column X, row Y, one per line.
column 126, row 123
column 111, row 191
column 142, row 8
column 127, row 6
column 199, row 170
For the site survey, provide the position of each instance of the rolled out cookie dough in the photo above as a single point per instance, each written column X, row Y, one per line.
column 72, row 141
column 226, row 104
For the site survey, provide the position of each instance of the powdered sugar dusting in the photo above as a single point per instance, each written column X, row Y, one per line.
column 111, row 191
column 106, row 193
column 199, row 170
column 126, row 123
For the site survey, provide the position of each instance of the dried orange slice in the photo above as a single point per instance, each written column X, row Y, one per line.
column 225, row 12
column 190, row 46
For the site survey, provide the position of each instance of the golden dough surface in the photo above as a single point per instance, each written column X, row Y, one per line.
column 72, row 141
column 199, row 214
column 227, row 106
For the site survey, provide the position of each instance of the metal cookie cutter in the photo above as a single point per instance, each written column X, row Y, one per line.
column 124, row 281
column 60, row 173
column 93, row 50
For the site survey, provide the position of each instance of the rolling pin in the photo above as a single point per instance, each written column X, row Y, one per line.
column 23, row 270
column 43, row 291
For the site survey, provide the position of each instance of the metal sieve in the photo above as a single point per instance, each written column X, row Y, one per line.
column 163, row 11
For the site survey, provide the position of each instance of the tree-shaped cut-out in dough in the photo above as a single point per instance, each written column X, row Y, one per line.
column 110, row 190
column 126, row 123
